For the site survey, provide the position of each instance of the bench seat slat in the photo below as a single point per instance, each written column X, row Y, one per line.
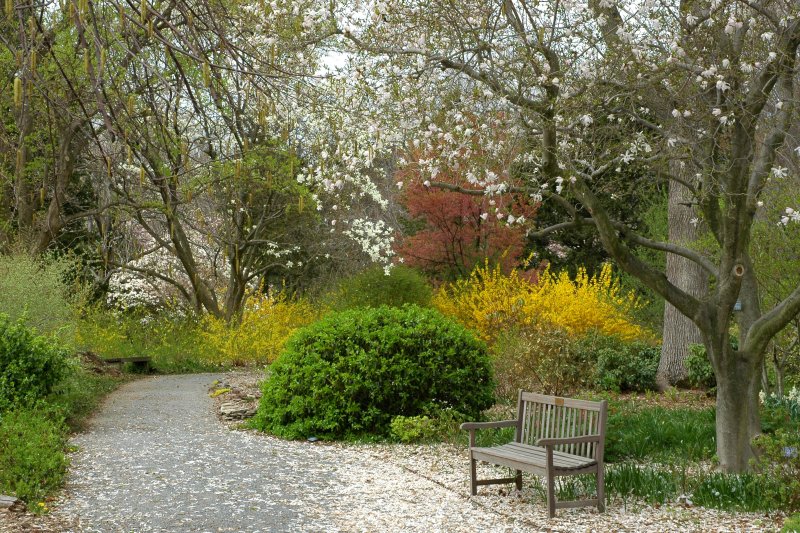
column 534, row 455
column 559, row 458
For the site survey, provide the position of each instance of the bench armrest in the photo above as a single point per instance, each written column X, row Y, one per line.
column 472, row 426
column 489, row 425
column 568, row 440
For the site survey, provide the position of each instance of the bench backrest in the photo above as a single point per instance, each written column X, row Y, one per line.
column 543, row 416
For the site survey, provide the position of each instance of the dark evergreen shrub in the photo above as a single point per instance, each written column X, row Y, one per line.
column 620, row 365
column 351, row 373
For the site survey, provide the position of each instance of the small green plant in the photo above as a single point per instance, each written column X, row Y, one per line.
column 436, row 426
column 779, row 464
column 30, row 365
column 698, row 368
column 32, row 461
column 408, row 429
column 374, row 287
column 792, row 524
column 350, row 374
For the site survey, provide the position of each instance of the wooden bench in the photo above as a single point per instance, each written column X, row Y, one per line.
column 554, row 437
column 141, row 363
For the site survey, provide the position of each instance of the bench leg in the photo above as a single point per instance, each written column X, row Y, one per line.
column 473, row 475
column 551, row 495
column 518, row 480
column 601, row 491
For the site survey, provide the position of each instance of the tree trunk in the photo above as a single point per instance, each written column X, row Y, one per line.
column 679, row 331
column 734, row 403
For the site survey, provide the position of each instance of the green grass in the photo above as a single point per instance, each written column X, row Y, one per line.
column 660, row 435
column 792, row 524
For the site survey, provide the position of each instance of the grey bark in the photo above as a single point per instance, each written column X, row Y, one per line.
column 679, row 330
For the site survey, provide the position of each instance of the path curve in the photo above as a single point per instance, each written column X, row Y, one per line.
column 156, row 459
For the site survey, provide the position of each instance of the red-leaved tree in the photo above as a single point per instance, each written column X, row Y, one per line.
column 455, row 230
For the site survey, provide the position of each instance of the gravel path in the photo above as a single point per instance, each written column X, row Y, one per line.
column 157, row 459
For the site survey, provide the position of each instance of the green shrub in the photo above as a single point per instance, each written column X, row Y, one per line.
column 620, row 365
column 32, row 461
column 792, row 524
column 373, row 288
column 413, row 428
column 36, row 291
column 30, row 366
column 537, row 358
column 699, row 372
column 350, row 374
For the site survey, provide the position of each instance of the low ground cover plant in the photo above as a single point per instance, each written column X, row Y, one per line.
column 792, row 524
column 32, row 459
column 44, row 394
column 352, row 373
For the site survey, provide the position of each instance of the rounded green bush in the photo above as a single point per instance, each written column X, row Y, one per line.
column 30, row 366
column 351, row 373
column 373, row 288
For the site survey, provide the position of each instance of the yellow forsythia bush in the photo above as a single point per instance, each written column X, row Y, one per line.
column 490, row 302
column 266, row 325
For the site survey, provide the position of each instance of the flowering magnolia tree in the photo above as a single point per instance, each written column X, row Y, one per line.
column 699, row 93
column 190, row 121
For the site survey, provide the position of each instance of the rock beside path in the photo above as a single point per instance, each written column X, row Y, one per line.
column 237, row 394
column 236, row 410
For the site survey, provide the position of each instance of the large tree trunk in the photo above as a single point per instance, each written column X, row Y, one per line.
column 736, row 398
column 679, row 331
column 733, row 419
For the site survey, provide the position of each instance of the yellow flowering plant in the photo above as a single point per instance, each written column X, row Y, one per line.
column 258, row 338
column 490, row 301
